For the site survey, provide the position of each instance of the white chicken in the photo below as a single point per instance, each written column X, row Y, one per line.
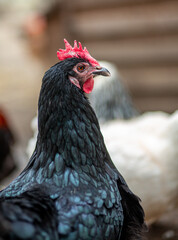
column 145, row 151
column 143, row 148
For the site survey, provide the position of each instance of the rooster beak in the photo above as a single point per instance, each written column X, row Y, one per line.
column 101, row 71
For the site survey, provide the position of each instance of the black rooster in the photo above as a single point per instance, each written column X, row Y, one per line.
column 70, row 188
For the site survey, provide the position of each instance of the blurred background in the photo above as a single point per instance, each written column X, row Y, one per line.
column 139, row 36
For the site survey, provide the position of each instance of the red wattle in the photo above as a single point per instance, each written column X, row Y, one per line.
column 88, row 85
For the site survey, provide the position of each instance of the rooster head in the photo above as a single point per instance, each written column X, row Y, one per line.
column 85, row 70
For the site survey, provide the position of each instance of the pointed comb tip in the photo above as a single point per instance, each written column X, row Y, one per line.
column 80, row 46
column 75, row 44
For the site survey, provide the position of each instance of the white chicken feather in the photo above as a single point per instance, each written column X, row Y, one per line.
column 145, row 151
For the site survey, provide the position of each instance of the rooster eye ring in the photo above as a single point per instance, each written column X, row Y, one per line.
column 81, row 68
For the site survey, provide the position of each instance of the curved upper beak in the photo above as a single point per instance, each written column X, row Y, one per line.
column 101, row 71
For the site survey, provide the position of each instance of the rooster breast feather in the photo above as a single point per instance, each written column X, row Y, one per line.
column 70, row 214
column 24, row 216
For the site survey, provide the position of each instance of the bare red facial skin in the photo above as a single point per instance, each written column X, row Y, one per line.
column 88, row 85
column 84, row 76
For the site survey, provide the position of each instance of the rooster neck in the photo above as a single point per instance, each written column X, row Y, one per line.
column 69, row 141
column 73, row 133
column 69, row 134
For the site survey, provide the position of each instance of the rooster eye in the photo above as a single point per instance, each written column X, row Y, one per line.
column 81, row 68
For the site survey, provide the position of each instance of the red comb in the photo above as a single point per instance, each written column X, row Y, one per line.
column 75, row 51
